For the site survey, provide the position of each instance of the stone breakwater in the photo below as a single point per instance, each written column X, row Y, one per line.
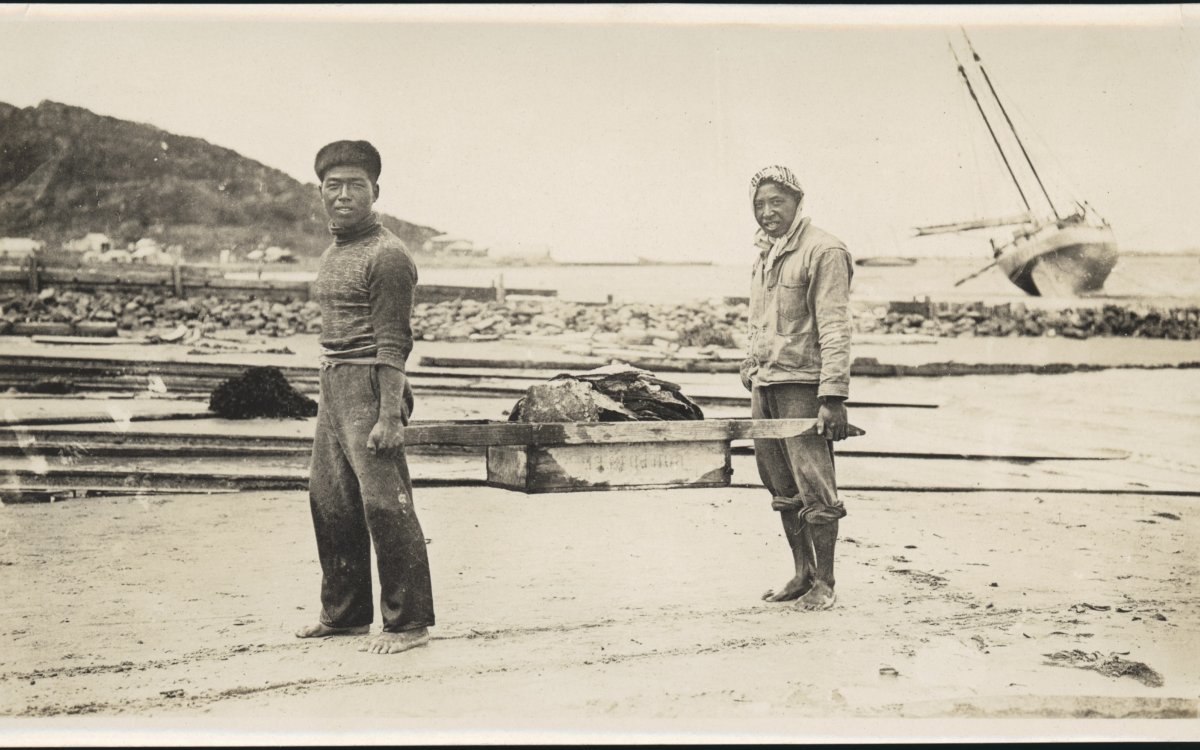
column 712, row 323
column 150, row 310
column 956, row 320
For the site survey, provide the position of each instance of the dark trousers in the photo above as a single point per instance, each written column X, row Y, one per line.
column 798, row 467
column 357, row 498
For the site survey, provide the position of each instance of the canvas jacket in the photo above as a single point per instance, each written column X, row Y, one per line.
column 799, row 314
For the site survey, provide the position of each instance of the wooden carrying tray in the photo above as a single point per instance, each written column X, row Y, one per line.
column 580, row 456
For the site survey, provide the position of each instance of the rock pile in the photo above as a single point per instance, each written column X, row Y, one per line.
column 1019, row 320
column 695, row 324
column 145, row 310
column 715, row 323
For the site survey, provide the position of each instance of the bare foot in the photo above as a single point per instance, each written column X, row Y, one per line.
column 793, row 589
column 320, row 630
column 819, row 597
column 394, row 643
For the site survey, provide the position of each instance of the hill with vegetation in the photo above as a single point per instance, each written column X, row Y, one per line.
column 66, row 171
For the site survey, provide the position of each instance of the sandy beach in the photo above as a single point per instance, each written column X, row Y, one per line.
column 530, row 192
column 615, row 610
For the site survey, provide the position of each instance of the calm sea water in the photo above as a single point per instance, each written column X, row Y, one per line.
column 1155, row 279
column 1174, row 279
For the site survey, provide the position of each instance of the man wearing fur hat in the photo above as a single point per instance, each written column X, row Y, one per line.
column 359, row 487
column 799, row 367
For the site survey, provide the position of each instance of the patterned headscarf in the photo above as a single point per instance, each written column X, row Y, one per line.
column 780, row 176
column 777, row 174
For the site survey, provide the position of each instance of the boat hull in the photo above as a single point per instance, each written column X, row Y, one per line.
column 1061, row 261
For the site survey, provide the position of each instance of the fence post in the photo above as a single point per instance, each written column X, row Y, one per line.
column 500, row 294
column 33, row 273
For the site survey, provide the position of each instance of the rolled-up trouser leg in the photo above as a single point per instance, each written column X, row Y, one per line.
column 775, row 471
column 809, row 458
column 803, row 467
column 343, row 541
column 406, row 592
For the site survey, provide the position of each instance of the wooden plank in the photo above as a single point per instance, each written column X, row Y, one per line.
column 98, row 339
column 37, row 328
column 125, row 273
column 202, row 377
column 586, row 363
column 618, row 466
column 101, row 418
column 600, row 433
column 434, row 293
column 518, row 390
column 135, row 477
column 151, row 450
column 118, row 366
column 48, row 493
column 32, row 491
column 146, row 441
column 51, row 442
column 498, row 433
column 508, row 466
column 1018, row 458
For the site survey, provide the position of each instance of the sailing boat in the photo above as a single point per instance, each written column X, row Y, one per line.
column 1049, row 254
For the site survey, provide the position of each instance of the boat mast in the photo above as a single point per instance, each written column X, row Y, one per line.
column 971, row 89
column 1007, row 119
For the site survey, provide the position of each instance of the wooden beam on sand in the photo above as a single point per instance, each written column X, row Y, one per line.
column 1016, row 458
column 134, row 479
column 103, row 418
column 192, row 377
column 150, row 445
column 937, row 489
column 22, row 364
column 654, row 364
column 594, row 433
column 474, row 433
column 24, row 486
column 860, row 367
column 495, row 391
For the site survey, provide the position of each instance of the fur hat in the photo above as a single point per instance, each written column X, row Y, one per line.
column 349, row 154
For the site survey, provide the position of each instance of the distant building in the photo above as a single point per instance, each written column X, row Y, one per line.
column 93, row 241
column 18, row 248
column 451, row 246
column 147, row 250
column 275, row 254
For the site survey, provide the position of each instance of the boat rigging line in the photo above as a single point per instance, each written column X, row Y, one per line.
column 971, row 89
column 1007, row 119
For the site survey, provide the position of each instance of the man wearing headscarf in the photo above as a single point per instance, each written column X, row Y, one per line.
column 359, row 489
column 799, row 367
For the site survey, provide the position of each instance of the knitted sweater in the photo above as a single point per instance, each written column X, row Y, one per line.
column 365, row 289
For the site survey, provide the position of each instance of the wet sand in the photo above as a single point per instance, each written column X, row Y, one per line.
column 614, row 606
column 639, row 611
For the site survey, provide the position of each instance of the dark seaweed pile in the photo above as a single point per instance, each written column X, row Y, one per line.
column 260, row 392
column 647, row 397
column 56, row 386
column 643, row 394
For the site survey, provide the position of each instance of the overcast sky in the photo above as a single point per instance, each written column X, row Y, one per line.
column 638, row 137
